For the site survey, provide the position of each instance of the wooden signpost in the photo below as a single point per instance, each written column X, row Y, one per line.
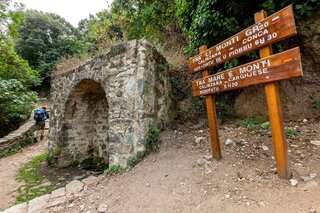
column 267, row 70
column 273, row 68
column 276, row 27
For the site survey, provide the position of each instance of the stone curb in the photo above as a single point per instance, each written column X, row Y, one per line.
column 56, row 198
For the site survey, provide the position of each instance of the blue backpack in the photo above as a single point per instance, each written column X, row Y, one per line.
column 39, row 115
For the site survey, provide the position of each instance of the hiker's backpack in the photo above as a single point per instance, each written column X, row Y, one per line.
column 40, row 115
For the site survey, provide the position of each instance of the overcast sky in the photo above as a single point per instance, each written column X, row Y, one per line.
column 72, row 10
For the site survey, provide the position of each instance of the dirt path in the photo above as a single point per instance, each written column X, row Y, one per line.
column 8, row 170
column 178, row 179
column 11, row 164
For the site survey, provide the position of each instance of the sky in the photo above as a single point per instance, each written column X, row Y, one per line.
column 72, row 10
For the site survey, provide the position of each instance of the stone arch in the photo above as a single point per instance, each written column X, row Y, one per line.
column 84, row 135
column 129, row 87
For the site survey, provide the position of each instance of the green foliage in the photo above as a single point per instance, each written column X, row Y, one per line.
column 266, row 125
column 252, row 123
column 153, row 139
column 100, row 31
column 16, row 103
column 13, row 66
column 32, row 179
column 44, row 39
column 291, row 132
column 209, row 22
column 134, row 160
column 178, row 91
column 302, row 8
column 113, row 170
column 10, row 151
column 9, row 19
column 153, row 20
column 16, row 76
column 315, row 104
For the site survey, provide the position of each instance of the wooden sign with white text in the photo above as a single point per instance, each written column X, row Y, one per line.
column 276, row 27
column 276, row 67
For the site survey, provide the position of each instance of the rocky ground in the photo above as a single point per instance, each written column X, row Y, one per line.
column 182, row 176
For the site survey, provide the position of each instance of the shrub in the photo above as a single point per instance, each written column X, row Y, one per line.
column 153, row 139
column 134, row 160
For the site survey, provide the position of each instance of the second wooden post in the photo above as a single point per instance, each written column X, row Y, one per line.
column 275, row 114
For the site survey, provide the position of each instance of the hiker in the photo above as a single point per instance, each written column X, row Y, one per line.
column 40, row 116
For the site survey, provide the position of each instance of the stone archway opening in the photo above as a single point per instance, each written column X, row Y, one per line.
column 85, row 126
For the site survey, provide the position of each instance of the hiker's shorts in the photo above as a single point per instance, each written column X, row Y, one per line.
column 39, row 125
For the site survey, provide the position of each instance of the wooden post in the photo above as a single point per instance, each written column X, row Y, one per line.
column 275, row 114
column 212, row 118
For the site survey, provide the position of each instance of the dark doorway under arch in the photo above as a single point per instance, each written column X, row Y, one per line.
column 84, row 135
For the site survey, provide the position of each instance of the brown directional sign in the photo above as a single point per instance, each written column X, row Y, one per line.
column 276, row 67
column 276, row 27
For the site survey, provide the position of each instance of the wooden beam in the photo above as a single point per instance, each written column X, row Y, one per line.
column 275, row 114
column 212, row 118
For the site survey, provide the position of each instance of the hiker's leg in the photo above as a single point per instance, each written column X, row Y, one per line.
column 36, row 126
column 42, row 126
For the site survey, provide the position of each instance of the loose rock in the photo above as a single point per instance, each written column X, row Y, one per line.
column 229, row 142
column 317, row 142
column 201, row 162
column 265, row 148
column 293, row 182
column 200, row 140
column 103, row 208
column 74, row 187
column 208, row 157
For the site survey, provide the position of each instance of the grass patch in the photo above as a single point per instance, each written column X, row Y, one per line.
column 34, row 186
column 113, row 170
column 290, row 132
column 252, row 123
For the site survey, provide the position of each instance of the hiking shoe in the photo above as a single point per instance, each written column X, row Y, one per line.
column 41, row 137
column 35, row 140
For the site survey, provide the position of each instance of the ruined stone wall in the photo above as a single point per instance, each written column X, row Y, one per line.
column 18, row 138
column 101, row 111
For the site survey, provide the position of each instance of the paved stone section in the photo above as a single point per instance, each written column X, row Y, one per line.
column 91, row 181
column 59, row 196
column 38, row 204
column 74, row 187
column 20, row 208
column 101, row 111
column 58, row 192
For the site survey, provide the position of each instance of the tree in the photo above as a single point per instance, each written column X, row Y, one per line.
column 100, row 31
column 44, row 39
column 16, row 101
column 153, row 20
